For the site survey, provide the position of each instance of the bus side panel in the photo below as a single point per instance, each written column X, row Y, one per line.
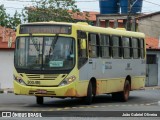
column 81, row 87
column 110, row 74
column 115, row 85
column 137, row 83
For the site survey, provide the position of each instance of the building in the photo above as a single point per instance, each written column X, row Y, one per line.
column 6, row 58
column 89, row 16
column 153, row 62
column 150, row 24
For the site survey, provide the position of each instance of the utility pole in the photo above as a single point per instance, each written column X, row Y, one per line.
column 129, row 17
column 130, row 5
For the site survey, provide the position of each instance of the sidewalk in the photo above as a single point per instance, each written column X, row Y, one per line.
column 6, row 90
column 10, row 90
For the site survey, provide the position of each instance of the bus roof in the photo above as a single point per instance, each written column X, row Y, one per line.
column 94, row 29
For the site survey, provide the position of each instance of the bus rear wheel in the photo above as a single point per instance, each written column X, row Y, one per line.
column 124, row 95
column 89, row 97
column 39, row 100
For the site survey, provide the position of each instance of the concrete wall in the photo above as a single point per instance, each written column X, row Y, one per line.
column 150, row 25
column 6, row 68
column 157, row 53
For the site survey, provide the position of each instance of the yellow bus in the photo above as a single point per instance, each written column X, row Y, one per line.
column 54, row 59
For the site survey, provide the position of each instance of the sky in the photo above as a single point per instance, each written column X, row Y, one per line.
column 149, row 6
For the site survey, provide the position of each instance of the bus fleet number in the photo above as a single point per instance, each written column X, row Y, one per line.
column 34, row 82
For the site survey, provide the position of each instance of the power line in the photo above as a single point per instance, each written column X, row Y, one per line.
column 20, row 1
column 151, row 2
column 61, row 0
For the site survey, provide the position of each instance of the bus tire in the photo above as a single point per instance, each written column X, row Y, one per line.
column 88, row 98
column 124, row 95
column 39, row 100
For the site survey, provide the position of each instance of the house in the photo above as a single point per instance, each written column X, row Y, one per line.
column 153, row 61
column 116, row 20
column 6, row 57
column 150, row 24
column 86, row 15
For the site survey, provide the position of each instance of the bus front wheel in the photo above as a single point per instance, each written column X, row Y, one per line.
column 39, row 100
column 88, row 98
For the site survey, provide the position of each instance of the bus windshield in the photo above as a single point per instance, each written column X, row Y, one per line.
column 44, row 53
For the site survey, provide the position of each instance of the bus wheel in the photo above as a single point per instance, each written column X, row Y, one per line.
column 39, row 100
column 88, row 98
column 124, row 95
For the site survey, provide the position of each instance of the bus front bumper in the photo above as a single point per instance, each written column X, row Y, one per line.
column 61, row 91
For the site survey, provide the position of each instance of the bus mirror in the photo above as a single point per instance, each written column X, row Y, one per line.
column 83, row 43
column 10, row 42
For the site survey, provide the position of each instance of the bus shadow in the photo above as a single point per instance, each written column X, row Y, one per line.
column 76, row 102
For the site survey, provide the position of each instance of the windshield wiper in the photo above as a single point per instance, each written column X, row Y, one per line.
column 53, row 44
column 34, row 42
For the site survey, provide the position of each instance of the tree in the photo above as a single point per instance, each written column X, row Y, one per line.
column 15, row 20
column 4, row 21
column 7, row 21
column 51, row 10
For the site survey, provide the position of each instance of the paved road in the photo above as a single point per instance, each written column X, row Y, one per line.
column 142, row 100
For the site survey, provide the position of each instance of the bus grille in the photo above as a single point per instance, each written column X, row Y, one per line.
column 42, row 76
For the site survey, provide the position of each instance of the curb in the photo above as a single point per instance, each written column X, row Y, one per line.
column 152, row 88
column 6, row 91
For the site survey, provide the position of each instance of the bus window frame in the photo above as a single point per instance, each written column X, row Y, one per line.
column 138, row 48
column 105, row 46
column 120, row 53
column 129, row 47
column 81, row 60
column 97, row 45
column 142, row 48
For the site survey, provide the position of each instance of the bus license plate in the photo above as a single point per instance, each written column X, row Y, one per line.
column 41, row 91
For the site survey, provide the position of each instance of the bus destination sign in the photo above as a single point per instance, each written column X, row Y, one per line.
column 45, row 29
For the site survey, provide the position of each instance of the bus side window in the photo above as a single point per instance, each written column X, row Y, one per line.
column 93, row 45
column 142, row 51
column 135, row 48
column 126, row 47
column 105, row 46
column 82, row 48
column 116, row 47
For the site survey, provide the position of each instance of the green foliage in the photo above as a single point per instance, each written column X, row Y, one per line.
column 3, row 16
column 15, row 20
column 43, row 10
column 7, row 21
column 51, row 10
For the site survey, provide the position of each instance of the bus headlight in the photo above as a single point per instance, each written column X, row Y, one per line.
column 19, row 80
column 67, row 80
